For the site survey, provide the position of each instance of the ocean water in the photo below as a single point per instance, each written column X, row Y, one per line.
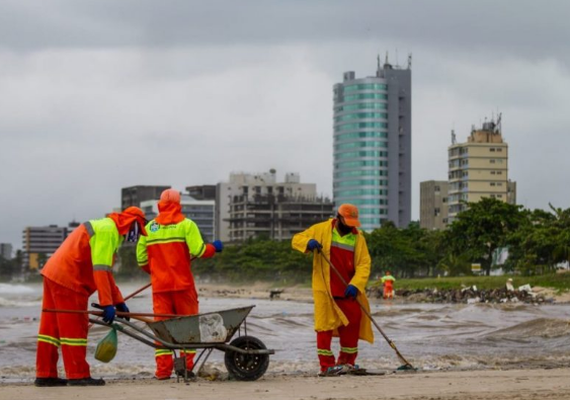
column 429, row 336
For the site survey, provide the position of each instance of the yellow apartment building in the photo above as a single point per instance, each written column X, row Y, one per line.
column 479, row 168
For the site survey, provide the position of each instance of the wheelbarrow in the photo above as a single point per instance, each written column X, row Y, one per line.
column 246, row 357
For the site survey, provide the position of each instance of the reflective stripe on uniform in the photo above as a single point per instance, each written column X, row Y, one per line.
column 192, row 351
column 201, row 251
column 142, row 261
column 349, row 350
column 89, row 228
column 162, row 352
column 324, row 352
column 73, row 342
column 150, row 242
column 186, row 232
column 343, row 246
column 347, row 242
column 102, row 268
column 49, row 340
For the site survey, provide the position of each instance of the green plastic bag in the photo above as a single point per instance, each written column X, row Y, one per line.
column 107, row 347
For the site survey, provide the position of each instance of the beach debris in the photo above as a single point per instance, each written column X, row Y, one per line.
column 107, row 347
column 466, row 295
column 525, row 288
column 212, row 374
column 275, row 293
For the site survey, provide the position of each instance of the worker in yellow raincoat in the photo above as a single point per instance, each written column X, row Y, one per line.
column 337, row 313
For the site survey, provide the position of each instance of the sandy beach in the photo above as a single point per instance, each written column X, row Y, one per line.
column 549, row 384
column 463, row 352
column 257, row 290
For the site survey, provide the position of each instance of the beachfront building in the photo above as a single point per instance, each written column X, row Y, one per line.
column 257, row 205
column 40, row 242
column 202, row 192
column 135, row 195
column 202, row 212
column 373, row 144
column 6, row 251
column 479, row 168
column 433, row 204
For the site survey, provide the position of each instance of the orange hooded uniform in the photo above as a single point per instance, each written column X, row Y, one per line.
column 388, row 282
column 166, row 255
column 81, row 265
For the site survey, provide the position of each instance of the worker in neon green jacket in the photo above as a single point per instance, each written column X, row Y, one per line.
column 388, row 282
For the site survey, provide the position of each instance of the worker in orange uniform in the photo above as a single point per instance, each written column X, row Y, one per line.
column 337, row 313
column 388, row 282
column 165, row 254
column 81, row 265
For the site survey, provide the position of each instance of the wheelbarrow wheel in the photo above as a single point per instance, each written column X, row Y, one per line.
column 246, row 367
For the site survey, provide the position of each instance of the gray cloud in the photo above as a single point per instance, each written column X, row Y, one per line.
column 523, row 26
column 95, row 96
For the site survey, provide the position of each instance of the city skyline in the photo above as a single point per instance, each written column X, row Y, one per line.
column 96, row 97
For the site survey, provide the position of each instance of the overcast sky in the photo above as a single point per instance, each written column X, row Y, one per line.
column 100, row 95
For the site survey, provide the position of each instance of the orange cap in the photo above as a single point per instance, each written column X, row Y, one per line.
column 170, row 196
column 349, row 213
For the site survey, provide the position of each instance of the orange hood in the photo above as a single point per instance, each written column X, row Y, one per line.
column 169, row 213
column 124, row 220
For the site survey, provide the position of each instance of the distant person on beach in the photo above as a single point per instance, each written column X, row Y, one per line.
column 337, row 313
column 166, row 255
column 388, row 283
column 81, row 265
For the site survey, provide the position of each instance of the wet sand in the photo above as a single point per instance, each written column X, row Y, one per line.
column 552, row 384
column 258, row 290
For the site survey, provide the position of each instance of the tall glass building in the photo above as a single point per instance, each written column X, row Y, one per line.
column 372, row 145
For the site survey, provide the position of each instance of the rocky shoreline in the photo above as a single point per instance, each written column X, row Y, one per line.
column 468, row 295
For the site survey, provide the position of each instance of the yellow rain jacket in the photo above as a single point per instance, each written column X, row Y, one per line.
column 328, row 316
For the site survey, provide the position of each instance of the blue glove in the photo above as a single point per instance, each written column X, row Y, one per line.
column 108, row 314
column 122, row 307
column 351, row 291
column 313, row 244
column 218, row 245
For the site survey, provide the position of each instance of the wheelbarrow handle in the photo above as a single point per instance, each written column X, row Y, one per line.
column 119, row 313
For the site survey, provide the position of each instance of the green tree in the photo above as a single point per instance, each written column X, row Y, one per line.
column 434, row 246
column 406, row 252
column 455, row 265
column 42, row 260
column 10, row 269
column 541, row 242
column 483, row 228
column 257, row 259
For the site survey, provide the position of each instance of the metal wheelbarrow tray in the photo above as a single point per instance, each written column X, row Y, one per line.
column 246, row 357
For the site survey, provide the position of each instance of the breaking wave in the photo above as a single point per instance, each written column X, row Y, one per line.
column 547, row 328
column 7, row 288
column 18, row 303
